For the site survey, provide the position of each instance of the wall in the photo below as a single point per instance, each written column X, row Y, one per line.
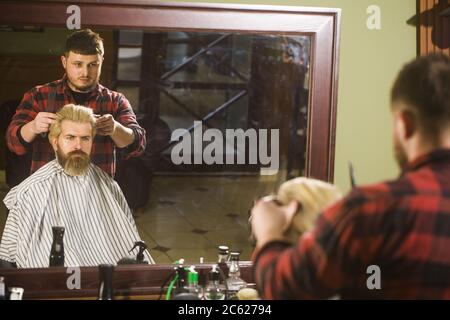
column 369, row 62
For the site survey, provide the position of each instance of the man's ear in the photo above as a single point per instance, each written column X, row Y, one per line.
column 54, row 143
column 64, row 61
column 405, row 124
column 409, row 121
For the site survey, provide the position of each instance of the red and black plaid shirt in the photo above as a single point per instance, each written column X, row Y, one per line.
column 52, row 97
column 402, row 226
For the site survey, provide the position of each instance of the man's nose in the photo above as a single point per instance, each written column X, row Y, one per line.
column 77, row 144
column 84, row 71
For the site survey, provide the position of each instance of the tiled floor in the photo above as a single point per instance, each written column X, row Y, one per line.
column 188, row 217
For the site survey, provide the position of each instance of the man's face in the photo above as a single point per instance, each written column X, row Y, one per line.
column 83, row 71
column 73, row 147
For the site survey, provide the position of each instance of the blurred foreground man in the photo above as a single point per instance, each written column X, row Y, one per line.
column 390, row 240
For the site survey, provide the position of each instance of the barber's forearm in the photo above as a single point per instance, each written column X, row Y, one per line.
column 27, row 132
column 122, row 136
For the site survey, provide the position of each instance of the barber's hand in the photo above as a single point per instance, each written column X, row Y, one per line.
column 269, row 220
column 106, row 125
column 42, row 122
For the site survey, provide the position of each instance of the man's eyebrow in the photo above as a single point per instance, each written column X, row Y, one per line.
column 79, row 61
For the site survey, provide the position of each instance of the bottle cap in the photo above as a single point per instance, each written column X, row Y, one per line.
column 16, row 293
column 235, row 256
column 223, row 249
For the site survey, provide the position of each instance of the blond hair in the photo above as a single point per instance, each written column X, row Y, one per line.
column 73, row 113
column 313, row 196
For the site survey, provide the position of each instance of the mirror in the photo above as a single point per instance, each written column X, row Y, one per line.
column 236, row 100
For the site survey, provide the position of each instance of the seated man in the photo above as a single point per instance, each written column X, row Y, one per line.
column 71, row 192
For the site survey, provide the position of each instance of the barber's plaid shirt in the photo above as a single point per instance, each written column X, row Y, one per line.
column 52, row 97
column 402, row 227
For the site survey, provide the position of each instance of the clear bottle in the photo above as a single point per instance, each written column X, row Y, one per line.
column 57, row 250
column 213, row 290
column 222, row 260
column 106, row 291
column 234, row 280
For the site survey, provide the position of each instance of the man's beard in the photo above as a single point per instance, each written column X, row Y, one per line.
column 400, row 154
column 75, row 163
column 86, row 88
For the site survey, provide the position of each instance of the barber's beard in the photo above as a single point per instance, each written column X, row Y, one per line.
column 86, row 88
column 75, row 163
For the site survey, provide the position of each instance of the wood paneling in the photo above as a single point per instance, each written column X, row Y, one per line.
column 433, row 28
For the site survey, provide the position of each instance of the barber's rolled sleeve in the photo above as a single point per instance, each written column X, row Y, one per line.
column 26, row 112
column 127, row 118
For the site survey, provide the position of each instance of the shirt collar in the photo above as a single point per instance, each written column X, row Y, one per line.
column 58, row 167
column 440, row 155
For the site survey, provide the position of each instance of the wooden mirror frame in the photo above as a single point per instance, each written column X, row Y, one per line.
column 321, row 24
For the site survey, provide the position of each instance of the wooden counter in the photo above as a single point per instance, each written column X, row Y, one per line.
column 130, row 281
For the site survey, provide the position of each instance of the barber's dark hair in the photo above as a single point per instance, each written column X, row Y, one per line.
column 424, row 87
column 85, row 42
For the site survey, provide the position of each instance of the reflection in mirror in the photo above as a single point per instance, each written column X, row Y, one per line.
column 226, row 118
